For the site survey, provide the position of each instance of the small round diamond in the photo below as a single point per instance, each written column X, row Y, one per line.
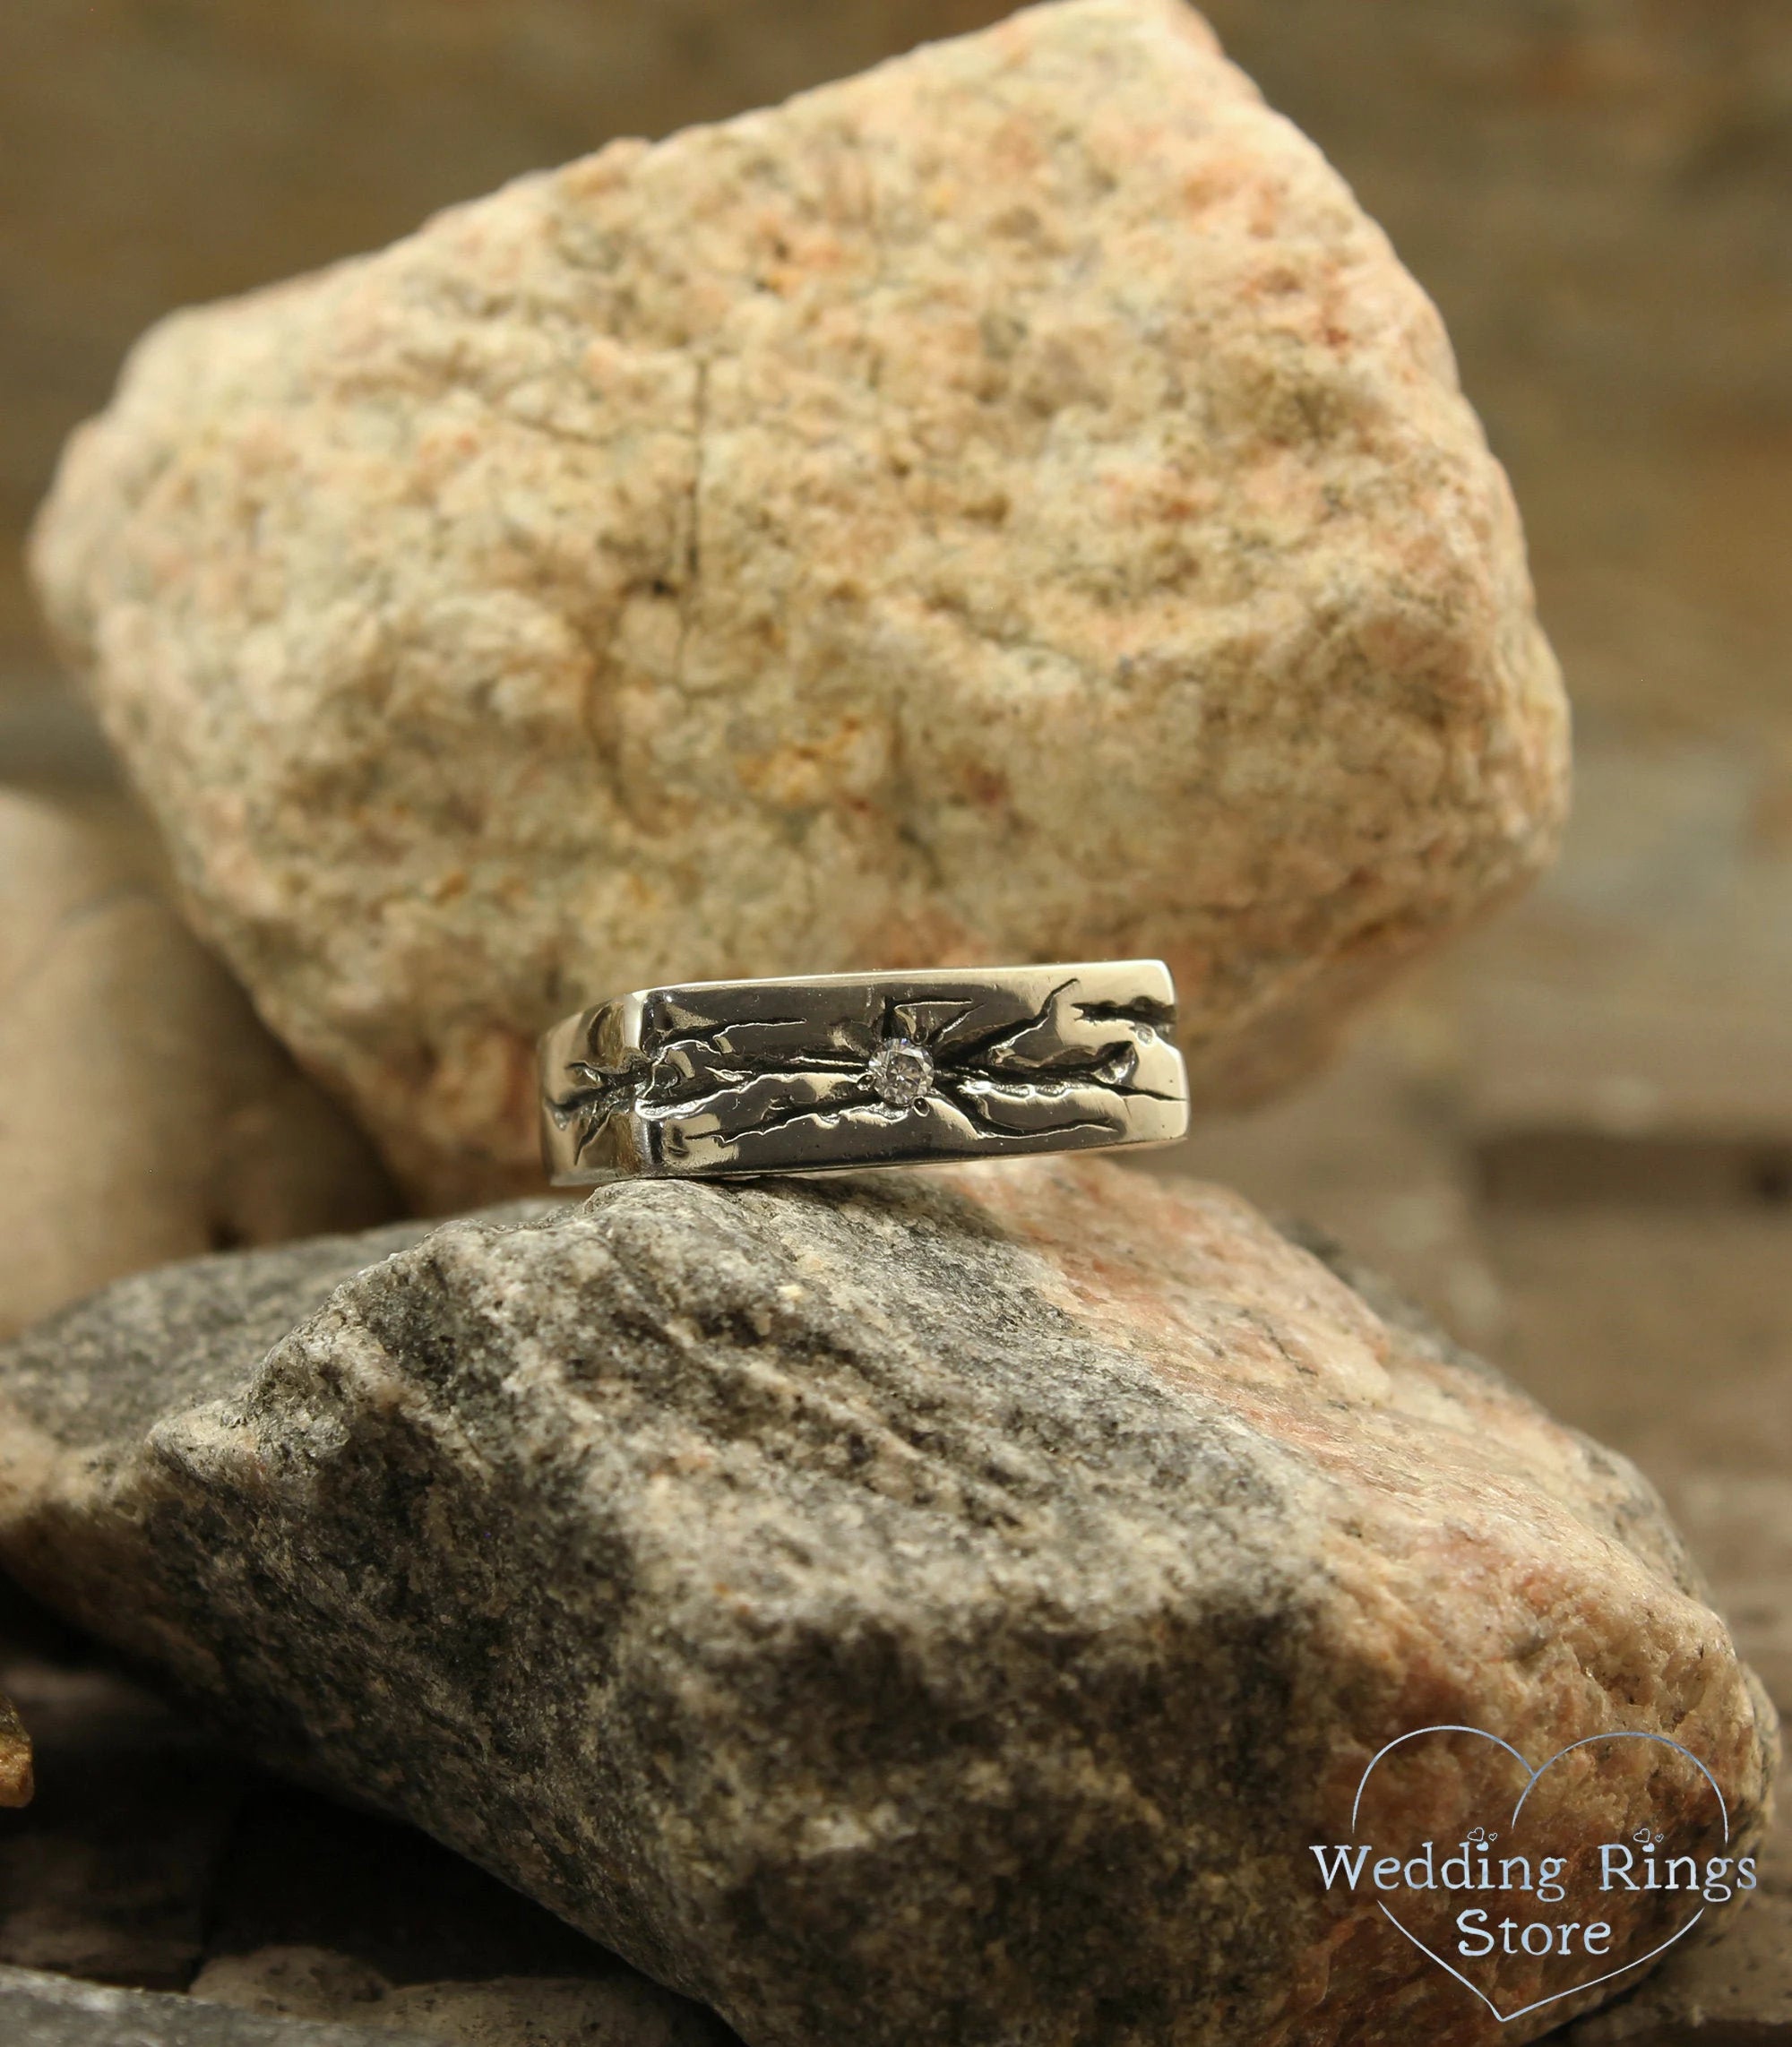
column 902, row 1071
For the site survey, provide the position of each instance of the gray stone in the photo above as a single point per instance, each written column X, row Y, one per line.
column 940, row 1611
column 155, row 1862
column 51, row 2011
column 616, row 2009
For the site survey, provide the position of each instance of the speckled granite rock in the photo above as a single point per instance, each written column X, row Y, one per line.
column 145, row 1112
column 1012, row 504
column 934, row 1612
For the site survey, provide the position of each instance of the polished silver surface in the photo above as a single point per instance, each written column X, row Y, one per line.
column 832, row 1073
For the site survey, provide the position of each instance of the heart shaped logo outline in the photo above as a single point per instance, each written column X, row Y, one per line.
column 1616, row 1734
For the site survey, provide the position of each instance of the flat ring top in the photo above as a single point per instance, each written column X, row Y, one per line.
column 834, row 1072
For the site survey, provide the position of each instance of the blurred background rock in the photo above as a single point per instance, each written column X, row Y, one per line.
column 1574, row 1139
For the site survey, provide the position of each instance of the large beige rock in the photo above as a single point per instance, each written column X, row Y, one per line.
column 145, row 1112
column 203, row 129
column 1009, row 504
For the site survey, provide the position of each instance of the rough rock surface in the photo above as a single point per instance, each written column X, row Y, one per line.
column 15, row 1756
column 50, row 2011
column 623, row 2010
column 1735, row 1991
column 1012, row 504
column 145, row 1112
column 925, row 1612
column 154, row 1858
column 202, row 131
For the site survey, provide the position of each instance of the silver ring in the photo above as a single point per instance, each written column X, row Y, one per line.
column 835, row 1072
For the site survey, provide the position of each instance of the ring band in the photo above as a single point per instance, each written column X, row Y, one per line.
column 834, row 1072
